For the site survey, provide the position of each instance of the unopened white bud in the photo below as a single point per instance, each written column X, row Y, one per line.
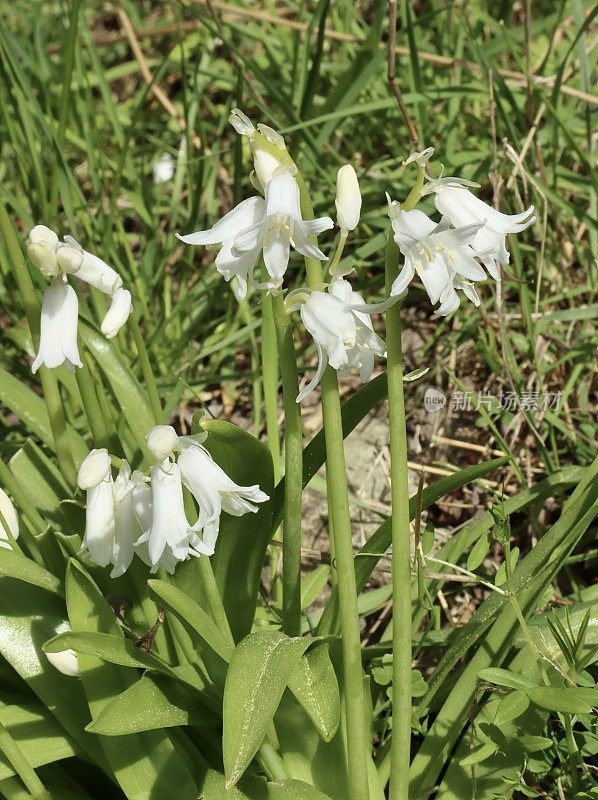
column 241, row 122
column 69, row 259
column 42, row 255
column 65, row 661
column 40, row 234
column 117, row 314
column 9, row 519
column 420, row 158
column 161, row 441
column 348, row 199
column 94, row 469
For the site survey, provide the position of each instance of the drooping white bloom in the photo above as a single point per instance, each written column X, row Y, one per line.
column 437, row 253
column 58, row 331
column 281, row 227
column 9, row 519
column 117, row 314
column 342, row 332
column 65, row 661
column 170, row 532
column 214, row 491
column 232, row 265
column 463, row 208
column 348, row 199
column 163, row 169
column 41, row 249
column 91, row 268
column 161, row 441
column 111, row 522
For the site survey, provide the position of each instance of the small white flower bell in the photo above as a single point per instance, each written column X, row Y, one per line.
column 348, row 199
column 91, row 269
column 58, row 330
column 342, row 332
column 163, row 169
column 8, row 520
column 463, row 208
column 161, row 441
column 214, row 491
column 65, row 661
column 437, row 253
column 117, row 314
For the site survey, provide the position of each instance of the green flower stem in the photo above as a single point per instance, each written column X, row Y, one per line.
column 91, row 405
column 401, row 544
column 270, row 374
column 293, row 458
column 215, row 605
column 146, row 369
column 32, row 312
column 21, row 766
column 358, row 746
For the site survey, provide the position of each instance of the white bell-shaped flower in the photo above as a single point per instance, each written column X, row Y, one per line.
column 92, row 269
column 348, row 199
column 214, row 491
column 100, row 524
column 342, row 332
column 9, row 522
column 463, row 208
column 232, row 265
column 170, row 533
column 65, row 661
column 41, row 249
column 435, row 252
column 117, row 314
column 282, row 227
column 58, row 330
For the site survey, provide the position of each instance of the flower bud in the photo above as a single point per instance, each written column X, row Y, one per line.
column 40, row 234
column 241, row 122
column 69, row 259
column 117, row 314
column 348, row 199
column 42, row 255
column 65, row 661
column 94, row 469
column 420, row 158
column 9, row 519
column 161, row 441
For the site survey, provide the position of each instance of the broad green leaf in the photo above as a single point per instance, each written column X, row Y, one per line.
column 314, row 683
column 191, row 614
column 114, row 649
column 39, row 736
column 153, row 702
column 242, row 542
column 504, row 677
column 478, row 552
column 313, row 584
column 31, row 467
column 478, row 755
column 15, row 565
column 146, row 765
column 294, row 790
column 132, row 399
column 511, row 707
column 568, row 700
column 257, row 677
column 531, row 744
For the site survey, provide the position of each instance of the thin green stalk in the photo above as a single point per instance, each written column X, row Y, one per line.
column 91, row 405
column 401, row 544
column 32, row 312
column 21, row 766
column 215, row 605
column 270, row 376
column 358, row 746
column 293, row 457
column 146, row 369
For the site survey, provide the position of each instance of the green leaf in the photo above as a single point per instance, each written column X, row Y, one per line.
column 146, row 765
column 294, row 790
column 504, row 677
column 478, row 552
column 314, row 683
column 257, row 677
column 38, row 735
column 532, row 744
column 191, row 614
column 313, row 584
column 242, row 541
column 511, row 707
column 31, row 467
column 478, row 755
column 15, row 565
column 568, row 700
column 153, row 702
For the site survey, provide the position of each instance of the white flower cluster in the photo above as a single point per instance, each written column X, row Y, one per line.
column 60, row 306
column 447, row 256
column 133, row 514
